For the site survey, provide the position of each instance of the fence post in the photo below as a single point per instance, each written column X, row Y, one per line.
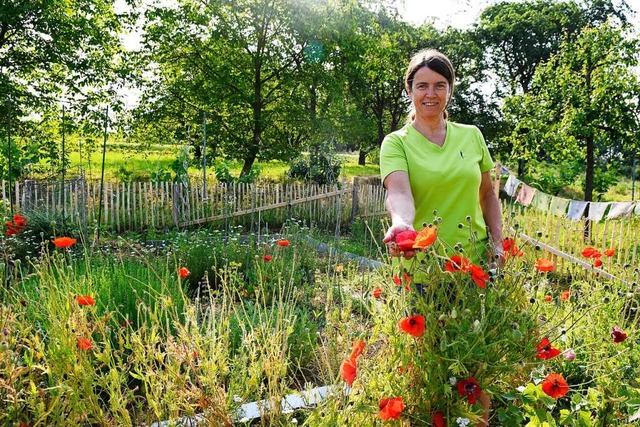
column 354, row 200
column 496, row 182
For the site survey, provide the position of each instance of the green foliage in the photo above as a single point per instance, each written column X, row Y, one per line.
column 321, row 167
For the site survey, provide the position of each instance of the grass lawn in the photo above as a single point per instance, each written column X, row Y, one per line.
column 132, row 165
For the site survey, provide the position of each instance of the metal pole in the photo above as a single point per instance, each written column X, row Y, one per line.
column 104, row 152
column 9, row 158
column 204, row 155
column 64, row 198
column 633, row 179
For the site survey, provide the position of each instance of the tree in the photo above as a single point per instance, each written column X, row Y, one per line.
column 583, row 103
column 517, row 36
column 237, row 61
column 50, row 51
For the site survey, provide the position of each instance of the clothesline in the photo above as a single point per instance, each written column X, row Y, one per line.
column 572, row 209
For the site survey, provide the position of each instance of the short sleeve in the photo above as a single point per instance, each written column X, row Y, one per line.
column 392, row 156
column 486, row 162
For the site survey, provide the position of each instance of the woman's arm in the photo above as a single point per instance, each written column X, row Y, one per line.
column 492, row 215
column 401, row 207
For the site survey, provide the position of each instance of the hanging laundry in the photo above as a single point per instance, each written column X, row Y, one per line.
column 558, row 205
column 525, row 195
column 576, row 209
column 511, row 185
column 597, row 210
column 620, row 210
column 541, row 201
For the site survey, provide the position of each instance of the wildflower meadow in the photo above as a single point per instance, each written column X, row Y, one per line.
column 120, row 333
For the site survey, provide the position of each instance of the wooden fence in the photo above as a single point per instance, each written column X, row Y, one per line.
column 147, row 205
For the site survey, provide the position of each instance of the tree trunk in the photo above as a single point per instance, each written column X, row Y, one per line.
column 589, row 169
column 362, row 157
column 248, row 164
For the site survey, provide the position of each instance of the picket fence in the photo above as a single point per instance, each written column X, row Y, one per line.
column 147, row 205
column 159, row 205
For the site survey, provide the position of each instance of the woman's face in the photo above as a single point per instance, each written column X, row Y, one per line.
column 429, row 93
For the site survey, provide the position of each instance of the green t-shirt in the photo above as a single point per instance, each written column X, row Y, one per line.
column 445, row 180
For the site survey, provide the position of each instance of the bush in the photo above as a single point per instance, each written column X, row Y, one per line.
column 322, row 166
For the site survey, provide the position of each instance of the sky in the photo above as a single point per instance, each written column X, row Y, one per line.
column 462, row 13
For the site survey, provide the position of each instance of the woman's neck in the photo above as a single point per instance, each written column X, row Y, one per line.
column 434, row 130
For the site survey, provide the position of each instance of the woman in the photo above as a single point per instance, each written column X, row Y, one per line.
column 434, row 167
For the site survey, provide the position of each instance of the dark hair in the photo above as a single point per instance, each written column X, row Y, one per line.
column 434, row 60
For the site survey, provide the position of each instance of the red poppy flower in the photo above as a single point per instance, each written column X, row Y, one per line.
column 413, row 325
column 618, row 334
column 19, row 221
column 406, row 239
column 377, row 292
column 591, row 252
column 438, row 420
column 546, row 351
column 510, row 248
column 284, row 243
column 64, row 242
column 565, row 295
column 470, row 388
column 390, row 408
column 358, row 348
column 126, row 323
column 183, row 272
column 85, row 300
column 396, row 280
column 457, row 263
column 84, row 344
column 610, row 252
column 597, row 262
column 479, row 276
column 267, row 258
column 555, row 385
column 348, row 370
column 548, row 298
column 544, row 265
column 425, row 238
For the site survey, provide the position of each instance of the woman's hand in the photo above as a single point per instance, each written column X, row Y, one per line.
column 390, row 240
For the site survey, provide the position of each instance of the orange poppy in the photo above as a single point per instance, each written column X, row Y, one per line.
column 597, row 262
column 84, row 344
column 565, row 295
column 413, row 325
column 85, row 300
column 348, row 370
column 267, row 258
column 64, row 242
column 284, row 243
column 358, row 348
column 377, row 292
column 610, row 252
column 591, row 252
column 548, row 298
column 555, row 385
column 183, row 272
column 544, row 265
column 457, row 263
column 425, row 238
column 390, row 408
